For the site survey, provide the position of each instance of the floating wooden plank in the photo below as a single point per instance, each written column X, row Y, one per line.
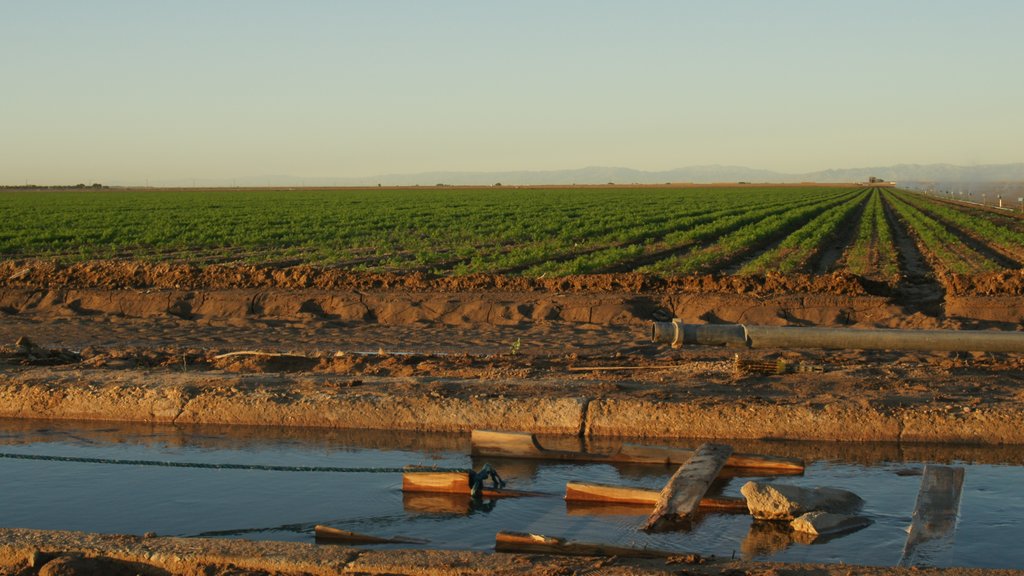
column 453, row 483
column 326, row 533
column 938, row 502
column 522, row 542
column 684, row 491
column 447, row 482
column 591, row 492
column 492, row 444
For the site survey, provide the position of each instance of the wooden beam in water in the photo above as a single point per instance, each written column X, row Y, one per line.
column 328, row 534
column 682, row 494
column 446, row 482
column 453, row 483
column 591, row 492
column 521, row 542
column 492, row 444
column 935, row 511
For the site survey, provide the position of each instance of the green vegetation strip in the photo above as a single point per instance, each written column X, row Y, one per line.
column 873, row 252
column 946, row 250
column 737, row 238
column 684, row 231
column 446, row 231
column 797, row 249
column 1007, row 240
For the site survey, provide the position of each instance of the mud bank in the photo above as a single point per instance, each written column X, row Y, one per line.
column 501, row 307
column 445, row 308
column 676, row 409
column 30, row 552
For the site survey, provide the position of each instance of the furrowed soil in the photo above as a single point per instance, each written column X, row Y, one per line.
column 318, row 347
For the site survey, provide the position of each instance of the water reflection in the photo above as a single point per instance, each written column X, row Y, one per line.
column 20, row 431
column 440, row 503
column 213, row 436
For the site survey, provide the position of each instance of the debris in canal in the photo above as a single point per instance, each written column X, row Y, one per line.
column 597, row 493
column 457, row 482
column 684, row 491
column 821, row 523
column 494, row 444
column 522, row 542
column 329, row 534
column 935, row 511
column 786, row 502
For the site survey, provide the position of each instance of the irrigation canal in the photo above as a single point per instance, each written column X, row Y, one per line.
column 350, row 480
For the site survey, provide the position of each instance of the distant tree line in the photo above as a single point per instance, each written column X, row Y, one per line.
column 95, row 185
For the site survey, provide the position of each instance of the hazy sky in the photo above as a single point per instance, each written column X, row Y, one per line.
column 122, row 91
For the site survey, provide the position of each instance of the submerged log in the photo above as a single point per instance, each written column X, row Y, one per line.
column 591, row 492
column 491, row 444
column 681, row 496
column 521, row 542
column 326, row 533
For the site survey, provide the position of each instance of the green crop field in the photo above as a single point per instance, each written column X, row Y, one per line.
column 530, row 231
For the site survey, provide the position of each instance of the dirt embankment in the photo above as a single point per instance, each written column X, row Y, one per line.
column 883, row 398
column 35, row 552
column 143, row 275
column 142, row 289
column 413, row 352
column 116, row 274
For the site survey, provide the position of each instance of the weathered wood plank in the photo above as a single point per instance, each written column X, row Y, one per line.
column 327, row 533
column 447, row 482
column 592, row 492
column 684, row 491
column 453, row 483
column 492, row 444
column 935, row 512
column 521, row 542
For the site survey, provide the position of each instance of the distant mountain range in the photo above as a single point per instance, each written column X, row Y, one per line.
column 946, row 173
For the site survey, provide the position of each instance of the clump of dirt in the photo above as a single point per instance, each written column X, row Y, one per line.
column 1002, row 283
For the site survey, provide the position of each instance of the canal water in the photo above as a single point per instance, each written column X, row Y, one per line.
column 281, row 505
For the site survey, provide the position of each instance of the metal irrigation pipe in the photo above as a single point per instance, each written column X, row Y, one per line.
column 677, row 333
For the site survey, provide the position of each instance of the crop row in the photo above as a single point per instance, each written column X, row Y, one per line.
column 873, row 252
column 661, row 248
column 1008, row 241
column 945, row 250
column 738, row 241
column 797, row 249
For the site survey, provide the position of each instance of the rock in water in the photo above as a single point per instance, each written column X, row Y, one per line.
column 785, row 502
column 821, row 523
